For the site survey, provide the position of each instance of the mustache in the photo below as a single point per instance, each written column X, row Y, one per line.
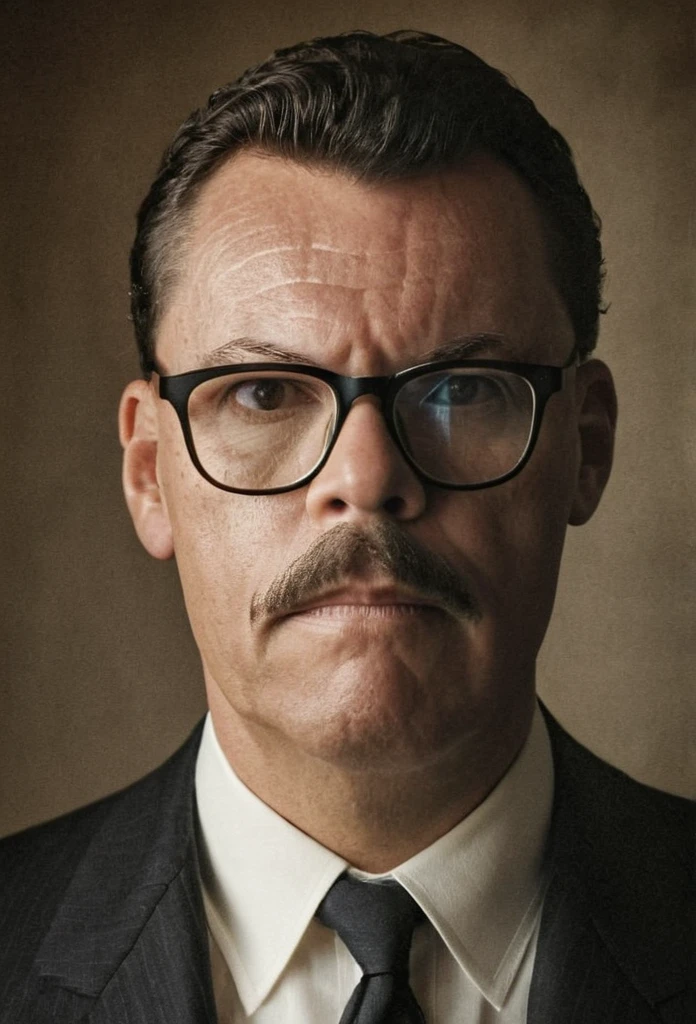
column 347, row 552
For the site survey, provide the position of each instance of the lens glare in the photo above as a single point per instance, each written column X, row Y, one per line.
column 263, row 430
column 465, row 426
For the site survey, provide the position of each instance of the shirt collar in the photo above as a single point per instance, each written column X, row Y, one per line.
column 481, row 884
column 263, row 879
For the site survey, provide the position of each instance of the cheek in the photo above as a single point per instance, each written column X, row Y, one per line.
column 227, row 546
column 509, row 539
column 531, row 523
column 220, row 565
column 220, row 549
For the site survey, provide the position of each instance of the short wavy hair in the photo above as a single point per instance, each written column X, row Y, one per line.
column 378, row 108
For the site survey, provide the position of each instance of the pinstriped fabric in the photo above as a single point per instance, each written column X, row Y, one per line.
column 616, row 937
column 101, row 919
column 165, row 979
column 35, row 869
column 144, row 844
column 576, row 980
column 104, row 912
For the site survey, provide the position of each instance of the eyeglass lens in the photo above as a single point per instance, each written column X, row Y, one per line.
column 270, row 429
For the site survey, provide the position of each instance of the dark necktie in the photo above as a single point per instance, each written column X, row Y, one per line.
column 376, row 922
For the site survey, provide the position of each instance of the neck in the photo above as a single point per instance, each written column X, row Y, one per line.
column 373, row 817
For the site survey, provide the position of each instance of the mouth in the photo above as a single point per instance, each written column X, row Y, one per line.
column 365, row 602
column 377, row 574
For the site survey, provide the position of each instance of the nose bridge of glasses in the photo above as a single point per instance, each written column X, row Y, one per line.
column 352, row 388
column 382, row 388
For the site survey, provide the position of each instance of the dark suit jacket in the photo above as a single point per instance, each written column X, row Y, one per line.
column 101, row 918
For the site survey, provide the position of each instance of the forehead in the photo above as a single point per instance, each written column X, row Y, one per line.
column 361, row 277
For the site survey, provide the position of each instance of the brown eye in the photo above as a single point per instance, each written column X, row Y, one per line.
column 266, row 395
column 466, row 389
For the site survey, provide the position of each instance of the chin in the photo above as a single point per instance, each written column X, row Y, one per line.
column 374, row 714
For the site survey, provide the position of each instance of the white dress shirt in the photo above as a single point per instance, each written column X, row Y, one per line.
column 480, row 886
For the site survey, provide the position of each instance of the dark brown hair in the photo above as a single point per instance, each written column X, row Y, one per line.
column 378, row 108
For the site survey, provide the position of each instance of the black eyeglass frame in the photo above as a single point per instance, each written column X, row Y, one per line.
column 544, row 380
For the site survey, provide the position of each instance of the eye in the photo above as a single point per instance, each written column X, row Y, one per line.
column 267, row 394
column 463, row 389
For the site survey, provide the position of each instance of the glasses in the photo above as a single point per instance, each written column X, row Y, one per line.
column 266, row 428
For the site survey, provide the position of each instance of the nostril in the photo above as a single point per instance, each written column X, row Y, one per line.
column 337, row 504
column 394, row 506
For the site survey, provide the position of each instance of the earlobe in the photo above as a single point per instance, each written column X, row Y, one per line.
column 139, row 434
column 597, row 411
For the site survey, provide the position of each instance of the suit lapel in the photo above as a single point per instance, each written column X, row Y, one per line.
column 128, row 944
column 613, row 943
column 575, row 976
column 165, row 978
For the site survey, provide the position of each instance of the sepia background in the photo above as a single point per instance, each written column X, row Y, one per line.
column 100, row 679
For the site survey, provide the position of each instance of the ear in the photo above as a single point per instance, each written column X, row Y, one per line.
column 139, row 434
column 596, row 404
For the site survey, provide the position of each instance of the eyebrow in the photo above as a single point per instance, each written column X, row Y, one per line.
column 464, row 348
column 237, row 349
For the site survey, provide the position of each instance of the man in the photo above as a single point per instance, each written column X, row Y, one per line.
column 366, row 286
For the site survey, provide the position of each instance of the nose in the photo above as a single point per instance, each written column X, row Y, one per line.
column 365, row 474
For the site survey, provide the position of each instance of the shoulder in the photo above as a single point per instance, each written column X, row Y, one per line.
column 108, row 838
column 625, row 853
column 61, row 841
column 36, row 866
column 617, row 827
column 602, row 796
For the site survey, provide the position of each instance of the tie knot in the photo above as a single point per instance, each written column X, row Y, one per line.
column 375, row 920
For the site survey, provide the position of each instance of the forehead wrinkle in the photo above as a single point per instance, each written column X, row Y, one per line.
column 361, row 253
column 218, row 288
column 354, row 271
column 221, row 241
column 257, row 255
column 223, row 223
column 312, row 281
column 424, row 295
column 387, row 293
column 364, row 269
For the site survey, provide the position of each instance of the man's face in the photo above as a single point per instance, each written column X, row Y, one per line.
column 367, row 280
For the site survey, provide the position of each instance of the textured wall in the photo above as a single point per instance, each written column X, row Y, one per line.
column 100, row 677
